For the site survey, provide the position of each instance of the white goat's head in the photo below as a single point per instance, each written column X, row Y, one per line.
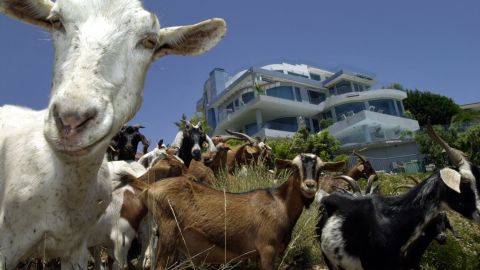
column 103, row 49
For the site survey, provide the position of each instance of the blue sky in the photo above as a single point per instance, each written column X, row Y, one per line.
column 429, row 45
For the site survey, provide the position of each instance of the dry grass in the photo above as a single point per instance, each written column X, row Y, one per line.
column 303, row 251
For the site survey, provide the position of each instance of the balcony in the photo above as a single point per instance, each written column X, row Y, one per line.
column 373, row 127
column 348, row 76
column 362, row 96
column 273, row 133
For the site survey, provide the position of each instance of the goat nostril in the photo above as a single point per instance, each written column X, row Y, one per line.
column 69, row 121
column 310, row 185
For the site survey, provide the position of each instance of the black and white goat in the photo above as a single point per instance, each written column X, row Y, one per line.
column 123, row 145
column 189, row 143
column 377, row 232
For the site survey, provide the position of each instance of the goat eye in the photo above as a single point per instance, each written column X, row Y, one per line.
column 150, row 42
column 56, row 22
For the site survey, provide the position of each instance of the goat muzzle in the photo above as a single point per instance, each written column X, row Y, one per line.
column 309, row 188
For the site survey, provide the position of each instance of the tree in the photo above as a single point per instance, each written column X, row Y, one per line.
column 465, row 118
column 421, row 104
column 396, row 86
column 464, row 138
column 195, row 119
column 432, row 149
column 469, row 143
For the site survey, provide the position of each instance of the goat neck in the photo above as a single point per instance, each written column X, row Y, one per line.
column 411, row 212
column 290, row 194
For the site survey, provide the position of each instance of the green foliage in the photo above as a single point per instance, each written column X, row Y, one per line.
column 408, row 114
column 465, row 117
column 195, row 119
column 325, row 123
column 469, row 142
column 431, row 148
column 424, row 104
column 464, row 138
column 322, row 144
column 396, row 86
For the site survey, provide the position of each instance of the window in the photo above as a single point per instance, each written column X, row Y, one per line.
column 400, row 107
column 296, row 74
column 285, row 124
column 331, row 90
column 307, row 123
column 348, row 110
column 343, row 87
column 385, row 106
column 251, row 129
column 247, row 97
column 358, row 87
column 298, row 96
column 211, row 119
column 327, row 115
column 285, row 92
column 315, row 77
column 316, row 126
column 315, row 97
column 230, row 108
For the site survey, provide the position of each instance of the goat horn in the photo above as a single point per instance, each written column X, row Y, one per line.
column 359, row 156
column 370, row 181
column 351, row 183
column 413, row 179
column 455, row 155
column 242, row 135
column 402, row 186
column 225, row 138
column 211, row 145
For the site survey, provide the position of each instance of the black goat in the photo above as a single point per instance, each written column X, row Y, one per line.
column 377, row 232
column 123, row 145
column 189, row 143
column 436, row 230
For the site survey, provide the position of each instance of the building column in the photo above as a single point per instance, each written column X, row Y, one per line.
column 366, row 133
column 259, row 119
column 334, row 114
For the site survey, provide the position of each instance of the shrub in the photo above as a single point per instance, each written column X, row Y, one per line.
column 322, row 144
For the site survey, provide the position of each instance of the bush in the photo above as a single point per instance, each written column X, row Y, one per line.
column 323, row 144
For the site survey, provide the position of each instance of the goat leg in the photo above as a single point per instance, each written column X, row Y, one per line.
column 166, row 243
column 267, row 257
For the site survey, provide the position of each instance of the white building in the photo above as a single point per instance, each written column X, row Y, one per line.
column 271, row 101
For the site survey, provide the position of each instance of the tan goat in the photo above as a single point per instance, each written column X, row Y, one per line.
column 363, row 169
column 209, row 226
column 251, row 152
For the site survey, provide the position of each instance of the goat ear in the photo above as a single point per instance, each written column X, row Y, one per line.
column 333, row 166
column 451, row 178
column 251, row 150
column 191, row 39
column 361, row 167
column 30, row 11
column 283, row 164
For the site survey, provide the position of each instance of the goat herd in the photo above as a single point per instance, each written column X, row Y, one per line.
column 61, row 198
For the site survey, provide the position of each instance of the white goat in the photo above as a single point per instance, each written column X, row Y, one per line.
column 53, row 186
column 112, row 229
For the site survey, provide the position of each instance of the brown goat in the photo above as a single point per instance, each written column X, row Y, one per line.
column 251, row 152
column 217, row 162
column 210, row 226
column 169, row 166
column 363, row 169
